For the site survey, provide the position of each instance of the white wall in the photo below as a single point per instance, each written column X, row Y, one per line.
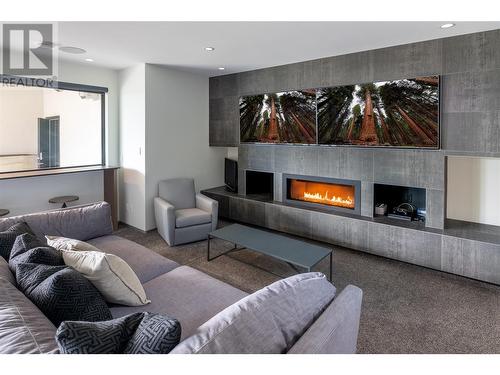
column 79, row 119
column 20, row 108
column 91, row 75
column 132, row 142
column 31, row 194
column 177, row 133
column 473, row 191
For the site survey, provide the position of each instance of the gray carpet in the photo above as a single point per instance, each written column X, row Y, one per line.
column 406, row 308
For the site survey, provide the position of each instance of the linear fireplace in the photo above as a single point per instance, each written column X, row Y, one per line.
column 320, row 192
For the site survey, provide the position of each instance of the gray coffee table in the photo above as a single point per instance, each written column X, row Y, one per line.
column 294, row 252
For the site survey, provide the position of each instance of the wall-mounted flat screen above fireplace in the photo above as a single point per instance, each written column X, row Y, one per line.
column 402, row 113
column 285, row 117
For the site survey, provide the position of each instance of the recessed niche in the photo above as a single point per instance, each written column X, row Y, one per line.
column 259, row 185
column 401, row 202
column 472, row 189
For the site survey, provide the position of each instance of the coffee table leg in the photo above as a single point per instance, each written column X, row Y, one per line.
column 208, row 249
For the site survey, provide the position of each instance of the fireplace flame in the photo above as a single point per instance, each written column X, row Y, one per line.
column 325, row 199
column 326, row 193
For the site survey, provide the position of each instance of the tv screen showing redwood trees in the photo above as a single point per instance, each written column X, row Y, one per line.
column 402, row 113
column 285, row 117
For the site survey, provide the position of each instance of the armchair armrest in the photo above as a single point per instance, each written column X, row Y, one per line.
column 165, row 219
column 209, row 205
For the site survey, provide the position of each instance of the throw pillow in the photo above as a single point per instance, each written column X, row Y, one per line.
column 110, row 274
column 108, row 337
column 8, row 238
column 29, row 249
column 67, row 295
column 137, row 333
column 63, row 243
column 30, row 275
column 156, row 334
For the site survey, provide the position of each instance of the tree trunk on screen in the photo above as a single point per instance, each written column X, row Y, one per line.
column 368, row 131
column 273, row 123
column 415, row 128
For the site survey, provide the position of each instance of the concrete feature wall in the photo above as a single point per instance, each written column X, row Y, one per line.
column 470, row 108
column 473, row 185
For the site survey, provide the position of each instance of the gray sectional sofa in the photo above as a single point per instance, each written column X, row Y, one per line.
column 196, row 299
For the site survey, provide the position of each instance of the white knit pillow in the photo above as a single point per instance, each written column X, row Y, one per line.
column 110, row 274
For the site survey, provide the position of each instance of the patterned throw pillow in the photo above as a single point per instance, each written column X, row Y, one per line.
column 67, row 295
column 156, row 334
column 8, row 238
column 30, row 275
column 132, row 334
column 109, row 337
column 29, row 249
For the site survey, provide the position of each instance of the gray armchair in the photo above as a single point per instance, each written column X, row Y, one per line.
column 182, row 215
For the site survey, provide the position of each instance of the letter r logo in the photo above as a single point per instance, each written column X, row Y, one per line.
column 23, row 51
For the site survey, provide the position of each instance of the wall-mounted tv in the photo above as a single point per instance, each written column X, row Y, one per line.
column 402, row 113
column 285, row 117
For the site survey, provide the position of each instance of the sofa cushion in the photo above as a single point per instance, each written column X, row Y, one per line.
column 191, row 216
column 187, row 294
column 67, row 295
column 111, row 275
column 8, row 237
column 29, row 249
column 24, row 329
column 179, row 192
column 5, row 272
column 138, row 333
column 82, row 223
column 268, row 321
column 146, row 263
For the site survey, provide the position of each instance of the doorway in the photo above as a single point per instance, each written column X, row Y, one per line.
column 48, row 142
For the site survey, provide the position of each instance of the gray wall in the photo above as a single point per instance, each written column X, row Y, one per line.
column 470, row 114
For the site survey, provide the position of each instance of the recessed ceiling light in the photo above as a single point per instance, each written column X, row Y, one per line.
column 447, row 25
column 73, row 50
column 89, row 60
column 209, row 49
column 221, row 68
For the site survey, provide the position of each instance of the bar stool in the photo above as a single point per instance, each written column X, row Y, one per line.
column 64, row 199
column 4, row 212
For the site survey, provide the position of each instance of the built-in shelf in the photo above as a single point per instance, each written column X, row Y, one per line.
column 454, row 228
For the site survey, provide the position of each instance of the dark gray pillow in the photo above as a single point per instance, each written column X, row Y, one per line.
column 132, row 334
column 67, row 295
column 8, row 237
column 108, row 337
column 156, row 334
column 29, row 249
column 30, row 275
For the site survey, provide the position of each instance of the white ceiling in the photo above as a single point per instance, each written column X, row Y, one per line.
column 240, row 46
